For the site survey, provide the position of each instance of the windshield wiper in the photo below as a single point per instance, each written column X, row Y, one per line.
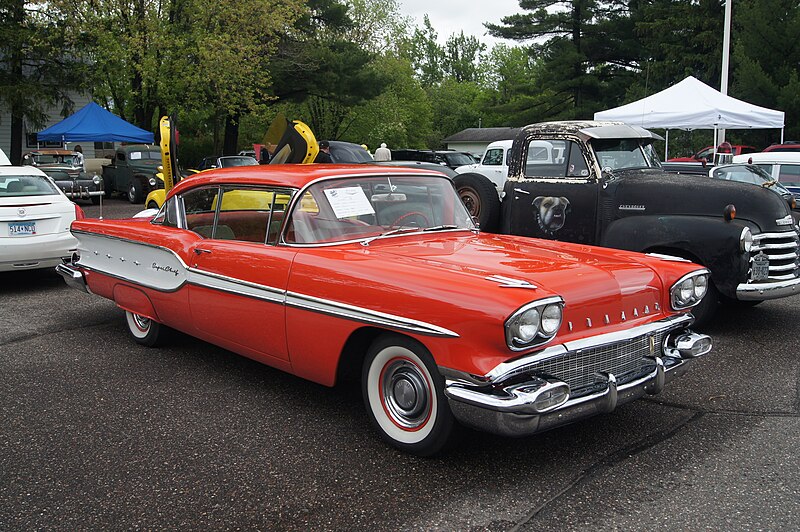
column 397, row 231
column 443, row 227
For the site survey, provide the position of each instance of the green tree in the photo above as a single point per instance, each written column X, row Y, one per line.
column 40, row 63
column 463, row 55
column 401, row 116
column 318, row 64
column 585, row 48
column 766, row 54
column 427, row 56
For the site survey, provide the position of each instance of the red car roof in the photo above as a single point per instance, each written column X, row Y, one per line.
column 288, row 175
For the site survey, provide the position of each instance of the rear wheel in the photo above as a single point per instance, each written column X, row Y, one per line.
column 404, row 396
column 145, row 331
column 479, row 196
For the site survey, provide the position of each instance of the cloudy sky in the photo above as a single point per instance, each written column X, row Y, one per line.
column 451, row 16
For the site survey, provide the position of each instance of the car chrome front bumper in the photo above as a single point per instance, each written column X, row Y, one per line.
column 771, row 290
column 539, row 404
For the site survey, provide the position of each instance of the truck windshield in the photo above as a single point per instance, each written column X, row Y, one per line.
column 619, row 154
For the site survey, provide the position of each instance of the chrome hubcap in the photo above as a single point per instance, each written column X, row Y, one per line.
column 406, row 394
column 141, row 322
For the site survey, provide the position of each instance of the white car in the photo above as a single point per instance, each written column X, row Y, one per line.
column 782, row 166
column 35, row 218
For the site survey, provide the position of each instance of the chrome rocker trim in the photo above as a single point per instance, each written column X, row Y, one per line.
column 73, row 277
column 764, row 291
column 539, row 404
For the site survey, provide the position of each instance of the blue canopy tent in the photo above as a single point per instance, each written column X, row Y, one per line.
column 95, row 124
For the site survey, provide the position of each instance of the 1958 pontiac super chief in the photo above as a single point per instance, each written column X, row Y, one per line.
column 324, row 270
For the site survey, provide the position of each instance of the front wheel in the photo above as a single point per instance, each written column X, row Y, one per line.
column 704, row 311
column 135, row 191
column 152, row 205
column 404, row 396
column 144, row 330
column 479, row 196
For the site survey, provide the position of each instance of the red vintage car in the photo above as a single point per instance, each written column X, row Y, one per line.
column 327, row 270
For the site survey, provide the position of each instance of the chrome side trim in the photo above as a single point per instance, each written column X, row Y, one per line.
column 506, row 369
column 223, row 283
column 333, row 308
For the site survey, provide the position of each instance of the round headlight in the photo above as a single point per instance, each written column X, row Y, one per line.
column 526, row 326
column 700, row 286
column 686, row 290
column 152, row 181
column 746, row 240
column 551, row 319
column 96, row 179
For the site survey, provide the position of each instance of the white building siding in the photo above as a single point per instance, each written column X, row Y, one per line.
column 54, row 117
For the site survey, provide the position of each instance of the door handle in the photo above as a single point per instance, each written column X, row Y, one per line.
column 199, row 251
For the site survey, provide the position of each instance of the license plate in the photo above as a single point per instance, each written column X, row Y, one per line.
column 21, row 228
column 760, row 268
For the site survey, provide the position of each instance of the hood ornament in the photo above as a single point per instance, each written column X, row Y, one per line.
column 507, row 282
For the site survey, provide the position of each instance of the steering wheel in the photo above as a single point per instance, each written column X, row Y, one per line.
column 418, row 214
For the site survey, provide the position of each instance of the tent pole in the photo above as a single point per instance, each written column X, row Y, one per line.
column 782, row 134
column 666, row 147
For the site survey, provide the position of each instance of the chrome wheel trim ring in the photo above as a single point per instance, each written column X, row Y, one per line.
column 406, row 394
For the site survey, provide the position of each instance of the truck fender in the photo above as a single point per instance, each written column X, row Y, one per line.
column 711, row 242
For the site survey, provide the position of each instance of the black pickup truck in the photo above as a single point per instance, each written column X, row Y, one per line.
column 601, row 183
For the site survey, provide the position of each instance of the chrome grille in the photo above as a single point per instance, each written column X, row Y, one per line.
column 586, row 367
column 781, row 249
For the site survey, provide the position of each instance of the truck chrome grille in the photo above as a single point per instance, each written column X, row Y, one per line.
column 586, row 367
column 781, row 249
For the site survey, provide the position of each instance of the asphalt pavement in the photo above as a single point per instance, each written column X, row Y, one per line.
column 100, row 433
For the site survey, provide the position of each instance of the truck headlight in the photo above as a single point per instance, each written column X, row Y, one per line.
column 746, row 240
column 534, row 324
column 689, row 290
column 152, row 181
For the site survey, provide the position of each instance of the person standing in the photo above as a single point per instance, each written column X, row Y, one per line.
column 324, row 155
column 383, row 153
column 79, row 155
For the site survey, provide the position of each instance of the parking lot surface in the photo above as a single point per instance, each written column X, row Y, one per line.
column 98, row 432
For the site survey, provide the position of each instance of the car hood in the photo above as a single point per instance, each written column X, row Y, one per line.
column 580, row 274
column 659, row 192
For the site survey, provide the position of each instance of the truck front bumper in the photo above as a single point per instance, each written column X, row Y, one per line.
column 770, row 290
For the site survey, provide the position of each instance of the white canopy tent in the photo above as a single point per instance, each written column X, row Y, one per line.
column 691, row 104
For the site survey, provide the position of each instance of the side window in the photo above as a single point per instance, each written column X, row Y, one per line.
column 200, row 205
column 555, row 158
column 251, row 214
column 789, row 173
column 493, row 157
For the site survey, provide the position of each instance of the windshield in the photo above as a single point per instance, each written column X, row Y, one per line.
column 458, row 159
column 225, row 162
column 748, row 174
column 349, row 153
column 55, row 159
column 145, row 155
column 25, row 185
column 620, row 154
column 367, row 207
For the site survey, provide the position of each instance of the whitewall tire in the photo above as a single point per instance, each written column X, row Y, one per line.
column 404, row 396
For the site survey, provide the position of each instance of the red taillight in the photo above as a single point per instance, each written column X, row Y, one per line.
column 79, row 212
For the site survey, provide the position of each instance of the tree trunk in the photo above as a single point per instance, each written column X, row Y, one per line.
column 229, row 145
